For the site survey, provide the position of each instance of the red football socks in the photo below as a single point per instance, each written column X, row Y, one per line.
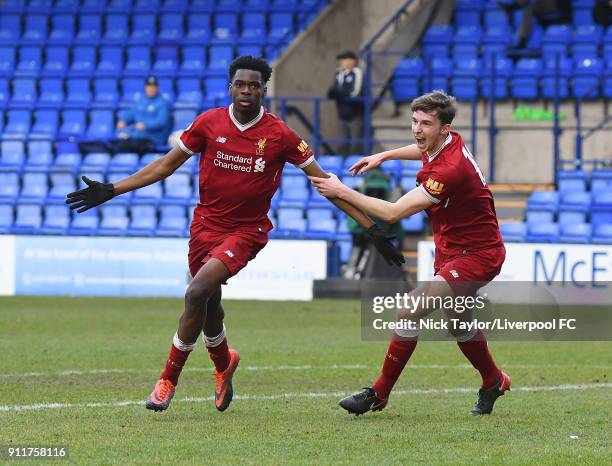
column 175, row 364
column 220, row 355
column 477, row 351
column 398, row 354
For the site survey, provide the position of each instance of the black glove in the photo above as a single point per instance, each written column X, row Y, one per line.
column 95, row 194
column 382, row 241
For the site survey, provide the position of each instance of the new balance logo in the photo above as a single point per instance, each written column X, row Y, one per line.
column 221, row 139
column 229, row 253
column 454, row 273
column 260, row 165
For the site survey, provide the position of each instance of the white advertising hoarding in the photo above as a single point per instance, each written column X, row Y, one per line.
column 7, row 265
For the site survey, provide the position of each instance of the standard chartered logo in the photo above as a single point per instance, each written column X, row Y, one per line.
column 260, row 164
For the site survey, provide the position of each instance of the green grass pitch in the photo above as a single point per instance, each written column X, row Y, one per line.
column 99, row 359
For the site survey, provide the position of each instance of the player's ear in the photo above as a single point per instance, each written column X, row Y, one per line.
column 445, row 129
column 265, row 90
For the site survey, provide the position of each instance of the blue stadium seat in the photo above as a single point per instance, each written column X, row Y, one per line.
column 294, row 196
column 466, row 42
column 95, row 161
column 175, row 6
column 538, row 215
column 607, row 44
column 501, row 68
column 525, row 78
column 319, row 214
column 331, row 163
column 253, row 50
column 321, row 228
column 586, row 42
column 36, row 29
column 101, row 125
column 352, row 182
column 183, row 118
column 166, row 61
column 216, row 90
column 123, row 162
column 576, row 233
column 105, row 93
column 62, row 29
column 189, row 93
column 437, row 39
column 281, row 25
column 110, row 64
column 116, row 29
column 575, row 201
column 292, row 181
column 571, row 180
column 468, row 12
column 253, row 29
column 151, row 194
column 464, row 82
column 495, row 18
column 407, row 79
column 513, row 232
column 567, row 217
column 5, row 95
column 114, row 221
column 18, row 124
column 56, row 62
column 607, row 80
column 9, row 187
column 6, row 218
column 45, row 124
column 602, row 234
column 78, row 93
column 62, row 183
column 85, row 224
column 556, row 72
column 543, row 233
column 582, row 16
column 150, row 6
column 138, row 61
column 198, row 29
column 39, row 6
column 177, row 189
column 73, row 123
column 24, row 93
column 40, row 156
column 415, row 223
column 171, row 28
column 556, row 40
column 94, row 6
column 90, row 29
column 601, row 209
column 225, row 28
column 202, row 6
column 144, row 29
column 172, row 221
column 544, row 200
column 143, row 220
column 28, row 219
column 66, row 6
column 220, row 57
column 30, row 61
column 119, row 6
column 7, row 60
column 131, row 90
column 66, row 162
column 12, row 156
column 10, row 28
column 34, row 187
column 587, row 78
column 193, row 63
column 233, row 6
column 56, row 220
column 83, row 61
column 438, row 74
column 601, row 180
column 496, row 41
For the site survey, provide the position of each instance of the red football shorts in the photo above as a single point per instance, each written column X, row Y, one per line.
column 466, row 273
column 234, row 248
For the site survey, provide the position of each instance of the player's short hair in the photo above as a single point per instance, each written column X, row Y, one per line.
column 248, row 62
column 437, row 101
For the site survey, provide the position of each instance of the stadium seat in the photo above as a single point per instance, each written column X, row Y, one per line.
column 292, row 181
column 62, row 183
column 39, row 6
column 587, row 78
column 123, row 162
column 407, row 79
column 66, row 162
column 119, row 6
column 415, row 223
column 78, row 93
column 602, row 234
column 183, row 118
column 143, row 220
column 12, row 156
column 116, row 29
column 24, row 93
column 18, row 124
column 437, row 39
column 114, row 221
column 105, row 93
column 172, row 222
column 56, row 62
column 90, row 29
column 6, row 218
column 45, row 124
column 110, row 64
column 36, row 29
column 95, row 161
column 220, row 57
column 85, row 224
column 193, row 62
column 331, row 163
column 9, row 187
column 83, row 61
column 548, row 200
column 131, row 90
column 556, row 39
column 468, row 12
column 216, row 90
column 294, row 197
column 166, row 61
column 62, row 29
column 601, row 209
column 171, row 28
column 607, row 80
column 5, row 94
column 465, row 78
column 56, row 220
column 513, row 232
column 177, row 189
column 574, row 207
column 28, row 219
column 319, row 214
column 7, row 60
column 571, row 180
column 34, row 187
column 138, row 62
column 151, row 194
column 437, row 75
column 10, row 28
column 525, row 78
column 576, row 233
column 233, row 6
column 189, row 93
column 144, row 29
column 556, row 72
column 586, row 42
column 73, row 123
column 176, row 6
column 225, row 28
column 29, row 63
column 40, row 156
column 538, row 215
column 496, row 73
column 322, row 228
column 253, row 29
column 198, row 29
column 543, row 233
column 601, row 180
column 101, row 125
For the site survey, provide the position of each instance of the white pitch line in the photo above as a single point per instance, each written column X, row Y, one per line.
column 416, row 391
column 74, row 372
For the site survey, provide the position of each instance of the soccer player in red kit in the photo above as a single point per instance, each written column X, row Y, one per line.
column 244, row 149
column 469, row 248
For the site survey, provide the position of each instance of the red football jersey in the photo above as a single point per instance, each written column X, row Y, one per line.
column 463, row 217
column 241, row 166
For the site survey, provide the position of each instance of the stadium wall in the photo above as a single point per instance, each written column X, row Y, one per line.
column 119, row 266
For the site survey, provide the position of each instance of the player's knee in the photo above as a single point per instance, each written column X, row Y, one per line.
column 462, row 335
column 199, row 292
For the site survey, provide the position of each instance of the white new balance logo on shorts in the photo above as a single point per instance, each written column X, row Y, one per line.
column 229, row 253
column 221, row 139
column 260, row 164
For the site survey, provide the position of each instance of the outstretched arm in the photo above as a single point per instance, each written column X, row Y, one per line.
column 391, row 212
column 97, row 193
column 410, row 152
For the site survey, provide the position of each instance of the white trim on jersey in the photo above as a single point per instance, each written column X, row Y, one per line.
column 246, row 126
column 184, row 148
column 309, row 160
column 358, row 81
column 429, row 196
column 447, row 141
